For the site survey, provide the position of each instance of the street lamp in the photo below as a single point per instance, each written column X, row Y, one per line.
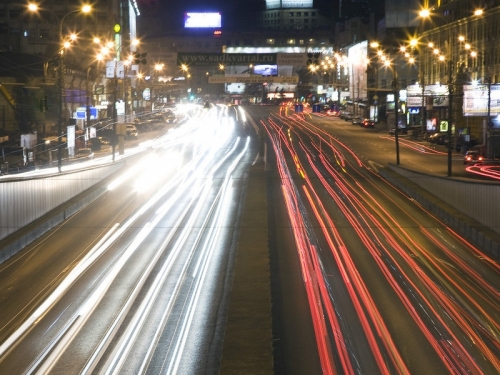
column 84, row 9
column 62, row 45
column 158, row 68
column 386, row 62
column 424, row 14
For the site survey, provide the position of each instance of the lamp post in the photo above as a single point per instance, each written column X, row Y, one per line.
column 158, row 68
column 395, row 89
column 32, row 7
column 84, row 9
column 424, row 14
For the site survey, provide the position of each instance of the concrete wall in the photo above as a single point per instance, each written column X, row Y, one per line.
column 25, row 200
column 471, row 208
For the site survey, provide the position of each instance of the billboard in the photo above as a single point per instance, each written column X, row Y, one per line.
column 253, row 79
column 294, row 59
column 266, row 70
column 214, row 59
column 438, row 93
column 202, row 20
column 275, row 4
column 476, row 100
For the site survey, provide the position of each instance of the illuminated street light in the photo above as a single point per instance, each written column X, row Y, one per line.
column 424, row 13
column 62, row 45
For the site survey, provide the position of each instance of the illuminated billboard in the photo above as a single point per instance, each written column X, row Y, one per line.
column 202, row 20
column 476, row 100
column 275, row 4
column 266, row 70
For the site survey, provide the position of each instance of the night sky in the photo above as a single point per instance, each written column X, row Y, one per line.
column 234, row 12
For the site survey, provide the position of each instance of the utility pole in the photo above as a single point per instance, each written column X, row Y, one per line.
column 396, row 113
column 450, row 107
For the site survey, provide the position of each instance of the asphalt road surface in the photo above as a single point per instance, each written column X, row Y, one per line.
column 363, row 279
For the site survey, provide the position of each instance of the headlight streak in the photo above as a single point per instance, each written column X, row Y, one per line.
column 84, row 312
column 206, row 254
column 103, row 244
column 96, row 251
column 114, row 365
column 446, row 348
column 126, row 341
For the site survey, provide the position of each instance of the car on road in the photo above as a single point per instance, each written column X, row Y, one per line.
column 357, row 120
column 332, row 112
column 131, row 132
column 472, row 157
column 367, row 123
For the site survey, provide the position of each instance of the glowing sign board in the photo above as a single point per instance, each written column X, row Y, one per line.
column 202, row 20
column 274, row 4
column 476, row 100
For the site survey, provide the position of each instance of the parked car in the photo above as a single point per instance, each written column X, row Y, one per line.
column 357, row 120
column 343, row 114
column 401, row 130
column 131, row 132
column 473, row 156
column 348, row 116
column 367, row 123
column 438, row 138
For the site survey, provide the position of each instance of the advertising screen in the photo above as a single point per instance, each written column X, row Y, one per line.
column 476, row 100
column 202, row 20
column 274, row 4
column 266, row 70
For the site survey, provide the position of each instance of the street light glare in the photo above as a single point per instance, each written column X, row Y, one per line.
column 32, row 7
column 424, row 13
column 478, row 12
column 86, row 8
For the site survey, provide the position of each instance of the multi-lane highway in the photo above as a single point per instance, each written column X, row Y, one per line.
column 363, row 279
column 137, row 281
column 390, row 289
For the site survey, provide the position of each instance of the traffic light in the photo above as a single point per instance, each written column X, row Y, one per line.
column 117, row 28
column 140, row 58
